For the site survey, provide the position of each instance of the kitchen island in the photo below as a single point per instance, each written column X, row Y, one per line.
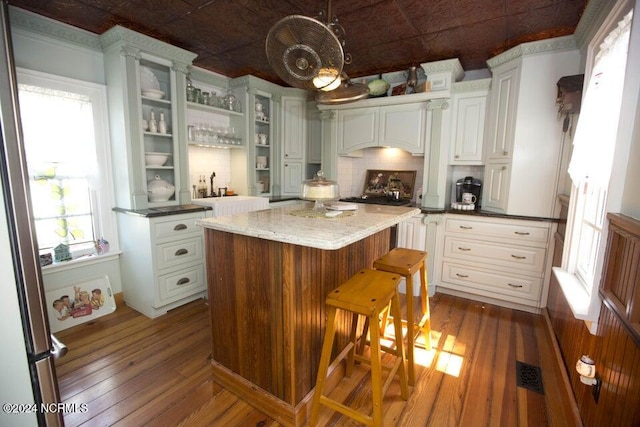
column 268, row 275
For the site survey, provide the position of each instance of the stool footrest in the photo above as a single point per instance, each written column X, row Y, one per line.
column 343, row 409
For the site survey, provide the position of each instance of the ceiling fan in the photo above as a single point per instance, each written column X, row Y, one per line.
column 308, row 54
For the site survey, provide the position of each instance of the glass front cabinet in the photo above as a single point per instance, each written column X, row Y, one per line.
column 146, row 87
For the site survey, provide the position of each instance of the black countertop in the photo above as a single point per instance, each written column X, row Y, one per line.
column 164, row 210
column 436, row 211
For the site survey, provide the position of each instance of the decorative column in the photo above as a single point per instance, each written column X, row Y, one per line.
column 435, row 159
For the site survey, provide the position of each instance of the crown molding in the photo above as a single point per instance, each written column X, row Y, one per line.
column 471, row 85
column 119, row 35
column 533, row 48
column 28, row 21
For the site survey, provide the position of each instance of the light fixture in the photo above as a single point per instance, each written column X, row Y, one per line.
column 327, row 79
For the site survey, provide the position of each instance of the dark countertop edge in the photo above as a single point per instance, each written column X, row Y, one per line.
column 436, row 211
column 163, row 211
column 274, row 199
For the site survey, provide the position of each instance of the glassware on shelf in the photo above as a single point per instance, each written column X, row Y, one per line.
column 230, row 100
column 153, row 125
column 190, row 88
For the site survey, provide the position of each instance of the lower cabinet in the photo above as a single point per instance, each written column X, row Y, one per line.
column 162, row 261
column 498, row 260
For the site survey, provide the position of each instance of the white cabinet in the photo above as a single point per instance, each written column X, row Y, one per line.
column 293, row 128
column 314, row 135
column 468, row 122
column 503, row 261
column 524, row 132
column 294, row 141
column 162, row 261
column 401, row 126
column 357, row 129
column 412, row 234
column 145, row 79
column 292, row 177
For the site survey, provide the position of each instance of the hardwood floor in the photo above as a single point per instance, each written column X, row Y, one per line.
column 131, row 371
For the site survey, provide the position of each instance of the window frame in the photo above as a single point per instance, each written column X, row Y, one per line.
column 102, row 195
column 581, row 292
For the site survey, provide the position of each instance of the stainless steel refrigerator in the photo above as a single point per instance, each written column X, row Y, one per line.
column 28, row 386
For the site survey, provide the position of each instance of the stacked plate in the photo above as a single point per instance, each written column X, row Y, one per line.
column 152, row 93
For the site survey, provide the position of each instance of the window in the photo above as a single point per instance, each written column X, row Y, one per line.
column 64, row 123
column 590, row 170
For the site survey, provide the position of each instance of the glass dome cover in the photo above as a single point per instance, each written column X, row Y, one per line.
column 319, row 189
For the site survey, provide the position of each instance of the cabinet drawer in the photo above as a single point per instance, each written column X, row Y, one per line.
column 493, row 284
column 519, row 233
column 181, row 283
column 178, row 227
column 174, row 254
column 526, row 258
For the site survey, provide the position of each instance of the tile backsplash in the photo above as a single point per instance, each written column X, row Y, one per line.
column 352, row 170
column 204, row 161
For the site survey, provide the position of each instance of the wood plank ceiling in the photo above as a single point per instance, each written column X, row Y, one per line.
column 381, row 35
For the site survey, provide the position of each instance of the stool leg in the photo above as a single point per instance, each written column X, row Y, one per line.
column 376, row 373
column 424, row 293
column 352, row 338
column 325, row 358
column 397, row 323
column 385, row 320
column 410, row 329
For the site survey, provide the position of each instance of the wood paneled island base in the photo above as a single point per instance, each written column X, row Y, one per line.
column 268, row 315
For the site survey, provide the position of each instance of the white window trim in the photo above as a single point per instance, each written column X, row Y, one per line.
column 102, row 199
column 585, row 305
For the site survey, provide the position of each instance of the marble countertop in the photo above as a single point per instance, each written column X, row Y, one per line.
column 284, row 224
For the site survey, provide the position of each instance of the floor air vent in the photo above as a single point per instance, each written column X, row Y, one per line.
column 529, row 377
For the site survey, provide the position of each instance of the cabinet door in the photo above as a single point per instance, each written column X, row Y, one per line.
column 496, row 187
column 357, row 129
column 403, row 126
column 502, row 117
column 292, row 178
column 468, row 129
column 293, row 128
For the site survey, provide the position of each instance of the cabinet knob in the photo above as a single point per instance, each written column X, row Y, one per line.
column 182, row 251
column 518, row 257
column 521, row 233
column 514, row 286
column 465, row 227
column 183, row 281
column 286, row 155
column 466, row 249
column 179, row 227
column 457, row 156
column 464, row 276
column 285, row 165
column 504, row 168
column 505, row 153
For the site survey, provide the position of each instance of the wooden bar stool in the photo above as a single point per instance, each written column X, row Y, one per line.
column 367, row 293
column 406, row 262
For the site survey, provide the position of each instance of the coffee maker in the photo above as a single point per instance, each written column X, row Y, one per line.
column 472, row 185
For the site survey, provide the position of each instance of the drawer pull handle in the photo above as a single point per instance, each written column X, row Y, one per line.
column 179, row 227
column 465, row 227
column 518, row 257
column 462, row 275
column 183, row 281
column 464, row 249
column 521, row 233
column 181, row 252
column 514, row 286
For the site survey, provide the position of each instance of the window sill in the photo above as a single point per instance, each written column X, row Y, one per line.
column 583, row 306
column 82, row 261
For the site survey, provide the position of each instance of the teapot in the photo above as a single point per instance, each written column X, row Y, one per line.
column 159, row 190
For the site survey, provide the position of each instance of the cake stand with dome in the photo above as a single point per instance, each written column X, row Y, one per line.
column 320, row 190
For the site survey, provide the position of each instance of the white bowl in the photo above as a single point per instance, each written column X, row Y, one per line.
column 156, row 159
column 151, row 93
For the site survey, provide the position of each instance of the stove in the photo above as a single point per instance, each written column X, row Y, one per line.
column 377, row 201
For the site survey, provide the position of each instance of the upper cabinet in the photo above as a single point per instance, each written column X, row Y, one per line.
column 145, row 84
column 294, row 142
column 470, row 101
column 524, row 139
column 401, row 126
